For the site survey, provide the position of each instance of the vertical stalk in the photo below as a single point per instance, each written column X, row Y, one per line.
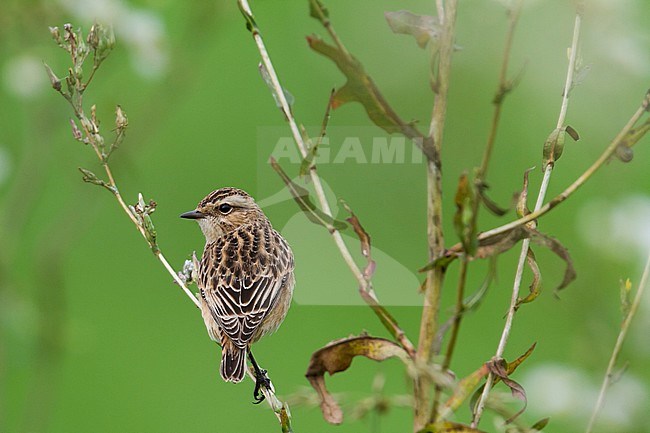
column 435, row 236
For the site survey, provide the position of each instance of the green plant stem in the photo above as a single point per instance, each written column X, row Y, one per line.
column 581, row 180
column 435, row 235
column 365, row 285
column 525, row 245
column 504, row 87
column 625, row 326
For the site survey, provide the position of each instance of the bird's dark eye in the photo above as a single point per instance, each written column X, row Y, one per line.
column 225, row 208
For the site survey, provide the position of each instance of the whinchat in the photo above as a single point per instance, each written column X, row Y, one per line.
column 245, row 278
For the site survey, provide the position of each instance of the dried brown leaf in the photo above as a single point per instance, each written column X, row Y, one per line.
column 499, row 368
column 534, row 288
column 337, row 356
column 364, row 237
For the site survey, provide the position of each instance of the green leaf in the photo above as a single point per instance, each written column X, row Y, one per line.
column 463, row 221
column 423, row 28
column 90, row 177
column 301, row 196
column 539, row 425
column 554, row 145
column 318, row 10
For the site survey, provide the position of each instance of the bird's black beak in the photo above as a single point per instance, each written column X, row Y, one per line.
column 193, row 215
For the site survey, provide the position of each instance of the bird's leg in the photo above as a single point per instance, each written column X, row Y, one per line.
column 261, row 380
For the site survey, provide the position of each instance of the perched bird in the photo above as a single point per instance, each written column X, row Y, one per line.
column 245, row 277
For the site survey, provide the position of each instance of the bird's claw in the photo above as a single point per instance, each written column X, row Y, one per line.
column 261, row 381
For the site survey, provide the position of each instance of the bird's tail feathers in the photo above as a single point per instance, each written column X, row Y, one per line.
column 233, row 363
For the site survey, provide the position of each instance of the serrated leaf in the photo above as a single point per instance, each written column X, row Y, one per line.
column 360, row 88
column 301, row 196
column 423, row 28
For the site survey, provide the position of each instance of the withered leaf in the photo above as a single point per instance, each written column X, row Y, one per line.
column 301, row 196
column 364, row 237
column 360, row 87
column 423, row 28
column 509, row 369
column 559, row 250
column 499, row 368
column 522, row 203
column 337, row 356
column 498, row 244
column 463, row 221
column 537, row 280
column 490, row 204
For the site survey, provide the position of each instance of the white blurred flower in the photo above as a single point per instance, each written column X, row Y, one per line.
column 142, row 31
column 623, row 40
column 568, row 393
column 620, row 229
column 24, row 76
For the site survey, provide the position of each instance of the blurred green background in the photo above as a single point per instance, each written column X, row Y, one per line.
column 95, row 337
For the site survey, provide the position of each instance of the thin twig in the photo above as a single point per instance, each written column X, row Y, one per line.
column 625, row 326
column 504, row 87
column 280, row 409
column 526, row 242
column 364, row 285
column 581, row 180
column 116, row 193
column 435, row 236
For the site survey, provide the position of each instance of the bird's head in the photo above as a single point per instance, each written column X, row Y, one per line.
column 223, row 211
